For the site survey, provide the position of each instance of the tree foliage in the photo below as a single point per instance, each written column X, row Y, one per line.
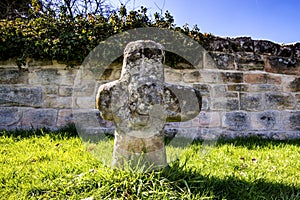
column 11, row 9
column 63, row 32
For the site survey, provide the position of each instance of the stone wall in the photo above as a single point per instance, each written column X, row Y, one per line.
column 253, row 88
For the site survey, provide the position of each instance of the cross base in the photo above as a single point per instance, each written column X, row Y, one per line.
column 139, row 153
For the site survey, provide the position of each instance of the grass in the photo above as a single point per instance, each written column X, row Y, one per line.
column 56, row 165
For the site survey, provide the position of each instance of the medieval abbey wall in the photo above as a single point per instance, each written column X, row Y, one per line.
column 253, row 89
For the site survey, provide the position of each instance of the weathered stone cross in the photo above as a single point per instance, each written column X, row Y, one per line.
column 140, row 103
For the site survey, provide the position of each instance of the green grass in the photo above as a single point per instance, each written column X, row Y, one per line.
column 44, row 165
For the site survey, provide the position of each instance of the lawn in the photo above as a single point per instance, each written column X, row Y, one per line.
column 56, row 165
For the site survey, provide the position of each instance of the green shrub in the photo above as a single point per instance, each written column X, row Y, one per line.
column 70, row 39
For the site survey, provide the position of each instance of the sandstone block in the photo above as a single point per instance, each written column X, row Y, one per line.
column 232, row 77
column 50, row 76
column 193, row 76
column 172, row 75
column 274, row 79
column 255, row 78
column 50, row 89
column 279, row 101
column 263, row 88
column 236, row 121
column 9, row 116
column 203, row 88
column 238, row 87
column 223, row 104
column 247, row 62
column 223, row 61
column 67, row 77
column 209, row 119
column 267, row 120
column 283, row 65
column 65, row 91
column 84, row 102
column 13, row 76
column 291, row 120
column 20, row 96
column 251, row 101
column 53, row 101
column 87, row 119
column 44, row 77
column 219, row 91
column 87, row 88
column 65, row 117
column 38, row 118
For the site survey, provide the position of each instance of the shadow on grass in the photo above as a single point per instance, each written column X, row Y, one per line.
column 229, row 188
column 180, row 177
column 252, row 142
column 64, row 132
column 69, row 131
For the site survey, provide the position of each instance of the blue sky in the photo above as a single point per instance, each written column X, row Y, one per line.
column 274, row 20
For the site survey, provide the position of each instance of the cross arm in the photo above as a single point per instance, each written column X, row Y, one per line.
column 104, row 100
column 182, row 103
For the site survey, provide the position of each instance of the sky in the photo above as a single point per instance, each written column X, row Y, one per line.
column 274, row 20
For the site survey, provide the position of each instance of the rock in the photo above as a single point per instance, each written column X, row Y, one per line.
column 232, row 77
column 140, row 103
column 236, row 121
column 243, row 44
column 251, row 101
column 295, row 85
column 39, row 118
column 279, row 101
column 283, row 65
column 9, row 116
column 223, row 61
column 266, row 120
column 20, row 96
column 265, row 47
column 220, row 44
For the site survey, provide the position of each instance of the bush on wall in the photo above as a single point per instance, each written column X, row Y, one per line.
column 69, row 39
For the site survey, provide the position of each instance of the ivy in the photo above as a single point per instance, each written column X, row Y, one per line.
column 69, row 40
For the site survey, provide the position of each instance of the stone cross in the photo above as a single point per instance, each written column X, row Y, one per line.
column 140, row 103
